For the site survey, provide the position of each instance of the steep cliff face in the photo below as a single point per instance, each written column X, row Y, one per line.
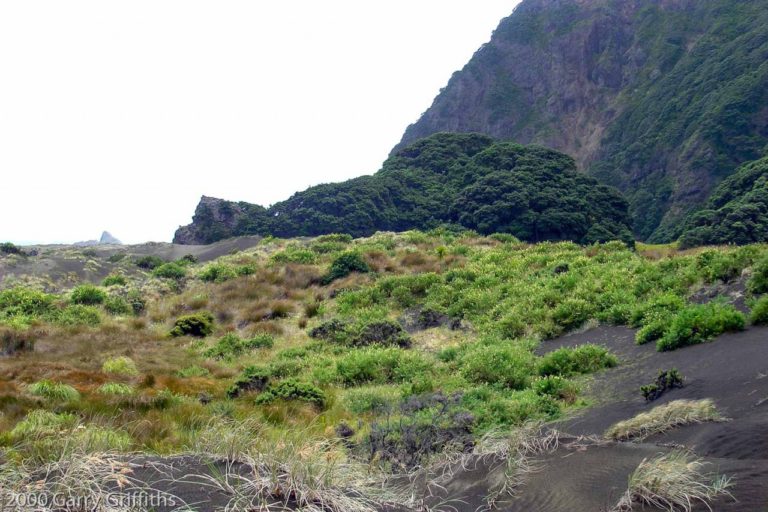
column 660, row 98
column 216, row 219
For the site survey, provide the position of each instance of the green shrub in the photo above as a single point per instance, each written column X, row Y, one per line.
column 198, row 325
column 252, row 378
column 117, row 306
column 187, row 259
column 77, row 314
column 88, row 295
column 295, row 255
column 22, row 301
column 193, row 371
column 170, row 271
column 114, row 280
column 339, row 238
column 231, row 345
column 120, row 366
column 344, row 265
column 506, row 365
column 653, row 330
column 666, row 380
column 9, row 248
column 660, row 306
column 115, row 389
column 293, row 389
column 697, row 324
column 572, row 313
column 361, row 401
column 137, row 302
column 148, row 262
column 505, row 238
column 380, row 366
column 583, row 359
column 54, row 391
column 557, row 387
column 758, row 283
column 217, row 273
column 759, row 313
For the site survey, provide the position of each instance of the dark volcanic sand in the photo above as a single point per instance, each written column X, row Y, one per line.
column 732, row 371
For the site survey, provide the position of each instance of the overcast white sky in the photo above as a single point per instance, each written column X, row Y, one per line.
column 120, row 115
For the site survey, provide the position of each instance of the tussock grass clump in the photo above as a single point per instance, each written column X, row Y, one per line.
column 54, row 391
column 507, row 365
column 115, row 389
column 674, row 482
column 117, row 306
column 663, row 418
column 193, row 371
column 699, row 324
column 120, row 366
column 41, row 422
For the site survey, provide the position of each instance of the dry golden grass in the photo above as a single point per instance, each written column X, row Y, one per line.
column 663, row 418
column 674, row 482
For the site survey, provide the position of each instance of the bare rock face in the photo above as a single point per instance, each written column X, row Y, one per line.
column 660, row 98
column 214, row 219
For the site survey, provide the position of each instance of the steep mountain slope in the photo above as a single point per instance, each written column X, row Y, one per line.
column 737, row 211
column 660, row 98
column 471, row 180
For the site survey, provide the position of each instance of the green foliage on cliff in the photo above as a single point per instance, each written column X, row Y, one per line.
column 737, row 211
column 471, row 180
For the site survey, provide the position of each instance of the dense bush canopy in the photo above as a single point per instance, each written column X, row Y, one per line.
column 469, row 180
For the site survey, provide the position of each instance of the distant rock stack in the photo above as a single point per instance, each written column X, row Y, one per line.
column 108, row 239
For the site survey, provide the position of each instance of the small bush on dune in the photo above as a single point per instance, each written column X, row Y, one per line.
column 170, row 271
column 114, row 280
column 698, row 324
column 137, row 302
column 505, row 365
column 231, row 345
column 340, row 238
column 663, row 418
column 25, row 301
column 198, row 325
column 293, row 389
column 344, row 265
column 88, row 295
column 54, row 391
column 666, row 380
column 759, row 313
column 567, row 362
column 654, row 329
column 660, row 306
column 557, row 387
column 148, row 262
column 120, row 366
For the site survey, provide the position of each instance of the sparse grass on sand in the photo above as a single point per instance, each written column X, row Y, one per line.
column 663, row 418
column 674, row 482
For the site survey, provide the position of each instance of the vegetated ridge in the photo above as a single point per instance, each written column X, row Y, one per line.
column 662, row 99
column 467, row 180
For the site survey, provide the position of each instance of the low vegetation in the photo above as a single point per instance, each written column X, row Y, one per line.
column 664, row 417
column 420, row 339
column 675, row 481
column 666, row 381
